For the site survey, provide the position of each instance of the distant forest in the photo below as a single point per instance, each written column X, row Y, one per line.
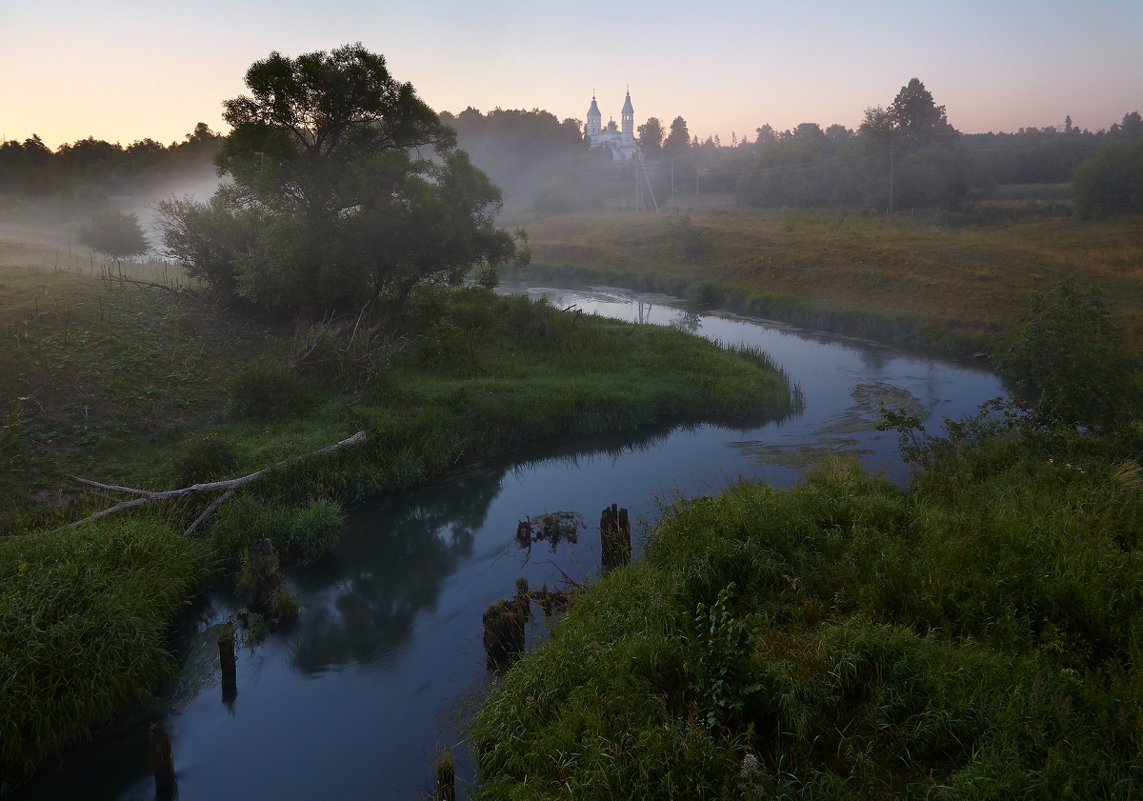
column 901, row 158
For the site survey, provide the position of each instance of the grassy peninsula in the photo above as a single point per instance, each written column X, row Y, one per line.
column 139, row 386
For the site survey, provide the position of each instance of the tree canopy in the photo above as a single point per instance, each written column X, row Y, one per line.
column 114, row 233
column 342, row 186
column 918, row 120
column 679, row 139
column 651, row 136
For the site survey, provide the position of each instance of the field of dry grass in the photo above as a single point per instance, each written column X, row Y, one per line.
column 975, row 277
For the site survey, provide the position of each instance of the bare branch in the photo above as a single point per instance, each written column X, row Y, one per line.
column 209, row 510
column 152, row 284
column 230, row 485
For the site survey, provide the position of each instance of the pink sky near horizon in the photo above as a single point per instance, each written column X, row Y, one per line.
column 125, row 70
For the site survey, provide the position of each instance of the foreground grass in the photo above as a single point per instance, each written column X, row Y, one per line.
column 976, row 637
column 945, row 282
column 83, row 623
column 147, row 388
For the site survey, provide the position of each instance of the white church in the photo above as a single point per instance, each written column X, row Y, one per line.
column 619, row 140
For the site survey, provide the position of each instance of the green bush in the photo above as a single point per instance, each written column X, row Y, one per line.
column 875, row 644
column 282, row 604
column 1111, row 181
column 266, row 390
column 1070, row 358
column 206, row 456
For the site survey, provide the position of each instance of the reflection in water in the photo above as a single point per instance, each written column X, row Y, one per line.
column 687, row 320
column 361, row 602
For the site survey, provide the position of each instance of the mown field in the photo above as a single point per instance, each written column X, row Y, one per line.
column 967, row 274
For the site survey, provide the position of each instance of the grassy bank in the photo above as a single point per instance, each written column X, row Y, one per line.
column 139, row 386
column 975, row 637
column 947, row 282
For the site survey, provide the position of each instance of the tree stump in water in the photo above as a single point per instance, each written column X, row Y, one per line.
column 162, row 761
column 614, row 538
column 503, row 634
column 229, row 665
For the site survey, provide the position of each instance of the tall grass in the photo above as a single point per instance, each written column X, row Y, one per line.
column 83, row 625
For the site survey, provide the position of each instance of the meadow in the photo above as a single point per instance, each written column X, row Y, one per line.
column 948, row 281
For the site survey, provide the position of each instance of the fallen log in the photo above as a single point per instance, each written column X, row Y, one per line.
column 231, row 484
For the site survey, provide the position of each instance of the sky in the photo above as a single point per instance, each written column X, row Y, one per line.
column 126, row 70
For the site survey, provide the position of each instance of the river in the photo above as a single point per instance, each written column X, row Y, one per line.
column 385, row 662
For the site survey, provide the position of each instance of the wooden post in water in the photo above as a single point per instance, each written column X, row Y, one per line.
column 162, row 762
column 503, row 634
column 614, row 538
column 229, row 664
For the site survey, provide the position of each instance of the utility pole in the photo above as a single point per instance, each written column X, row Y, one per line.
column 890, row 172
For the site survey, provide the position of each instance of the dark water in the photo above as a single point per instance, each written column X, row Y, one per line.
column 385, row 663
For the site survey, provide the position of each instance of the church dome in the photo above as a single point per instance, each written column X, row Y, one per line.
column 627, row 107
column 594, row 110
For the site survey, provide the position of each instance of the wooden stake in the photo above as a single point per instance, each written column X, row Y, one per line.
column 162, row 761
column 614, row 538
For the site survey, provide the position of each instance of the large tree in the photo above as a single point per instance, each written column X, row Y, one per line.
column 346, row 186
column 911, row 155
column 918, row 120
column 678, row 141
column 651, row 136
column 117, row 234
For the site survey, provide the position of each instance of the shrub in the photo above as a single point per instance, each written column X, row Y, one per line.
column 282, row 604
column 204, row 457
column 1111, row 181
column 266, row 390
column 685, row 237
column 446, row 347
column 1069, row 357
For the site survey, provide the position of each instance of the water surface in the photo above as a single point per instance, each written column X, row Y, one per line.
column 385, row 663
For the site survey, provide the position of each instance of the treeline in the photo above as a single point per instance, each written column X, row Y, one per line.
column 79, row 179
column 902, row 157
column 906, row 156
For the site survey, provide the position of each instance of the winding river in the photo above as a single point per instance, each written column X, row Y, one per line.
column 385, row 663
